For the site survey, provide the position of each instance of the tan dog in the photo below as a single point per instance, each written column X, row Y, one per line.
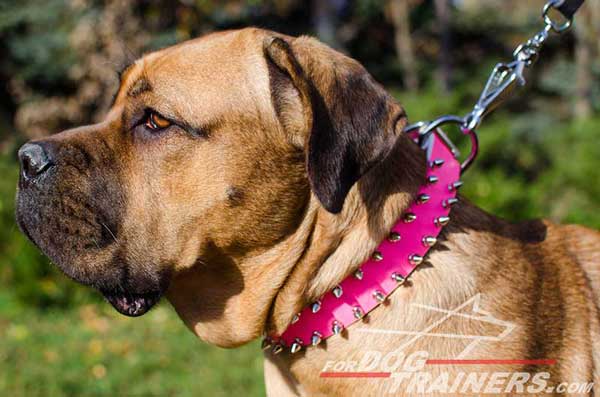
column 246, row 173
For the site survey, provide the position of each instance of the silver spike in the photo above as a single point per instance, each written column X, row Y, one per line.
column 431, row 179
column 295, row 318
column 437, row 163
column 423, row 198
column 449, row 202
column 316, row 306
column 337, row 291
column 358, row 313
column 266, row 344
column 316, row 338
column 455, row 186
column 409, row 217
column 337, row 328
column 278, row 348
column 442, row 221
column 415, row 259
column 429, row 241
column 358, row 274
column 296, row 346
column 394, row 237
column 397, row 277
column 379, row 296
column 377, row 256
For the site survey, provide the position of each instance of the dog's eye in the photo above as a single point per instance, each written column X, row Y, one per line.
column 156, row 122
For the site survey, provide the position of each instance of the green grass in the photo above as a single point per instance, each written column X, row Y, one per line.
column 93, row 351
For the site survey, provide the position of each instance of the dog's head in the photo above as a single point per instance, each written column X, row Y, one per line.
column 211, row 153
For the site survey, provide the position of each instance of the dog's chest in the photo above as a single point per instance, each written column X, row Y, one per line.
column 438, row 315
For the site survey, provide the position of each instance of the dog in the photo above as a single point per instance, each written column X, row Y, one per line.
column 244, row 174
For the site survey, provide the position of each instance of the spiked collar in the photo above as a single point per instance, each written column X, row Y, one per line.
column 390, row 264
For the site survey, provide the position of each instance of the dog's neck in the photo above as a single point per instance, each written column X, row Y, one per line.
column 335, row 245
column 321, row 251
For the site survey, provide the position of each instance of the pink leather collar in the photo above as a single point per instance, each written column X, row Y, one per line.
column 390, row 265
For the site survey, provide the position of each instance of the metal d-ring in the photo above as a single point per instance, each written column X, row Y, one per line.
column 425, row 129
column 474, row 148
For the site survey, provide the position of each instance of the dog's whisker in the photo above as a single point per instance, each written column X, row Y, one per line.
column 110, row 231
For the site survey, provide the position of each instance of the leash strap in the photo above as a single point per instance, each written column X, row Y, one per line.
column 569, row 7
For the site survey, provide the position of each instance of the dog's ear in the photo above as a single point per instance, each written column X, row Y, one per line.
column 346, row 120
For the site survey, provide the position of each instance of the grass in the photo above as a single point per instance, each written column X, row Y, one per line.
column 93, row 351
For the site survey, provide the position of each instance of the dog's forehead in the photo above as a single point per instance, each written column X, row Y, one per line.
column 220, row 71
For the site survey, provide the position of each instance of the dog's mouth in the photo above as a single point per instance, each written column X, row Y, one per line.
column 132, row 305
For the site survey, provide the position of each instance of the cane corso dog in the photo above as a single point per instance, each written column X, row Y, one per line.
column 243, row 174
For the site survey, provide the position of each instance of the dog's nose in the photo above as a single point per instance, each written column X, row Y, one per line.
column 34, row 160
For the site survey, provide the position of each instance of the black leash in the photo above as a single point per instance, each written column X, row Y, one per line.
column 568, row 7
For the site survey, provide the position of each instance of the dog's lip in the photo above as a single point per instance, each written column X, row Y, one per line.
column 132, row 304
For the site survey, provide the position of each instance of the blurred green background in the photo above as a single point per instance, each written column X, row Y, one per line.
column 540, row 154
